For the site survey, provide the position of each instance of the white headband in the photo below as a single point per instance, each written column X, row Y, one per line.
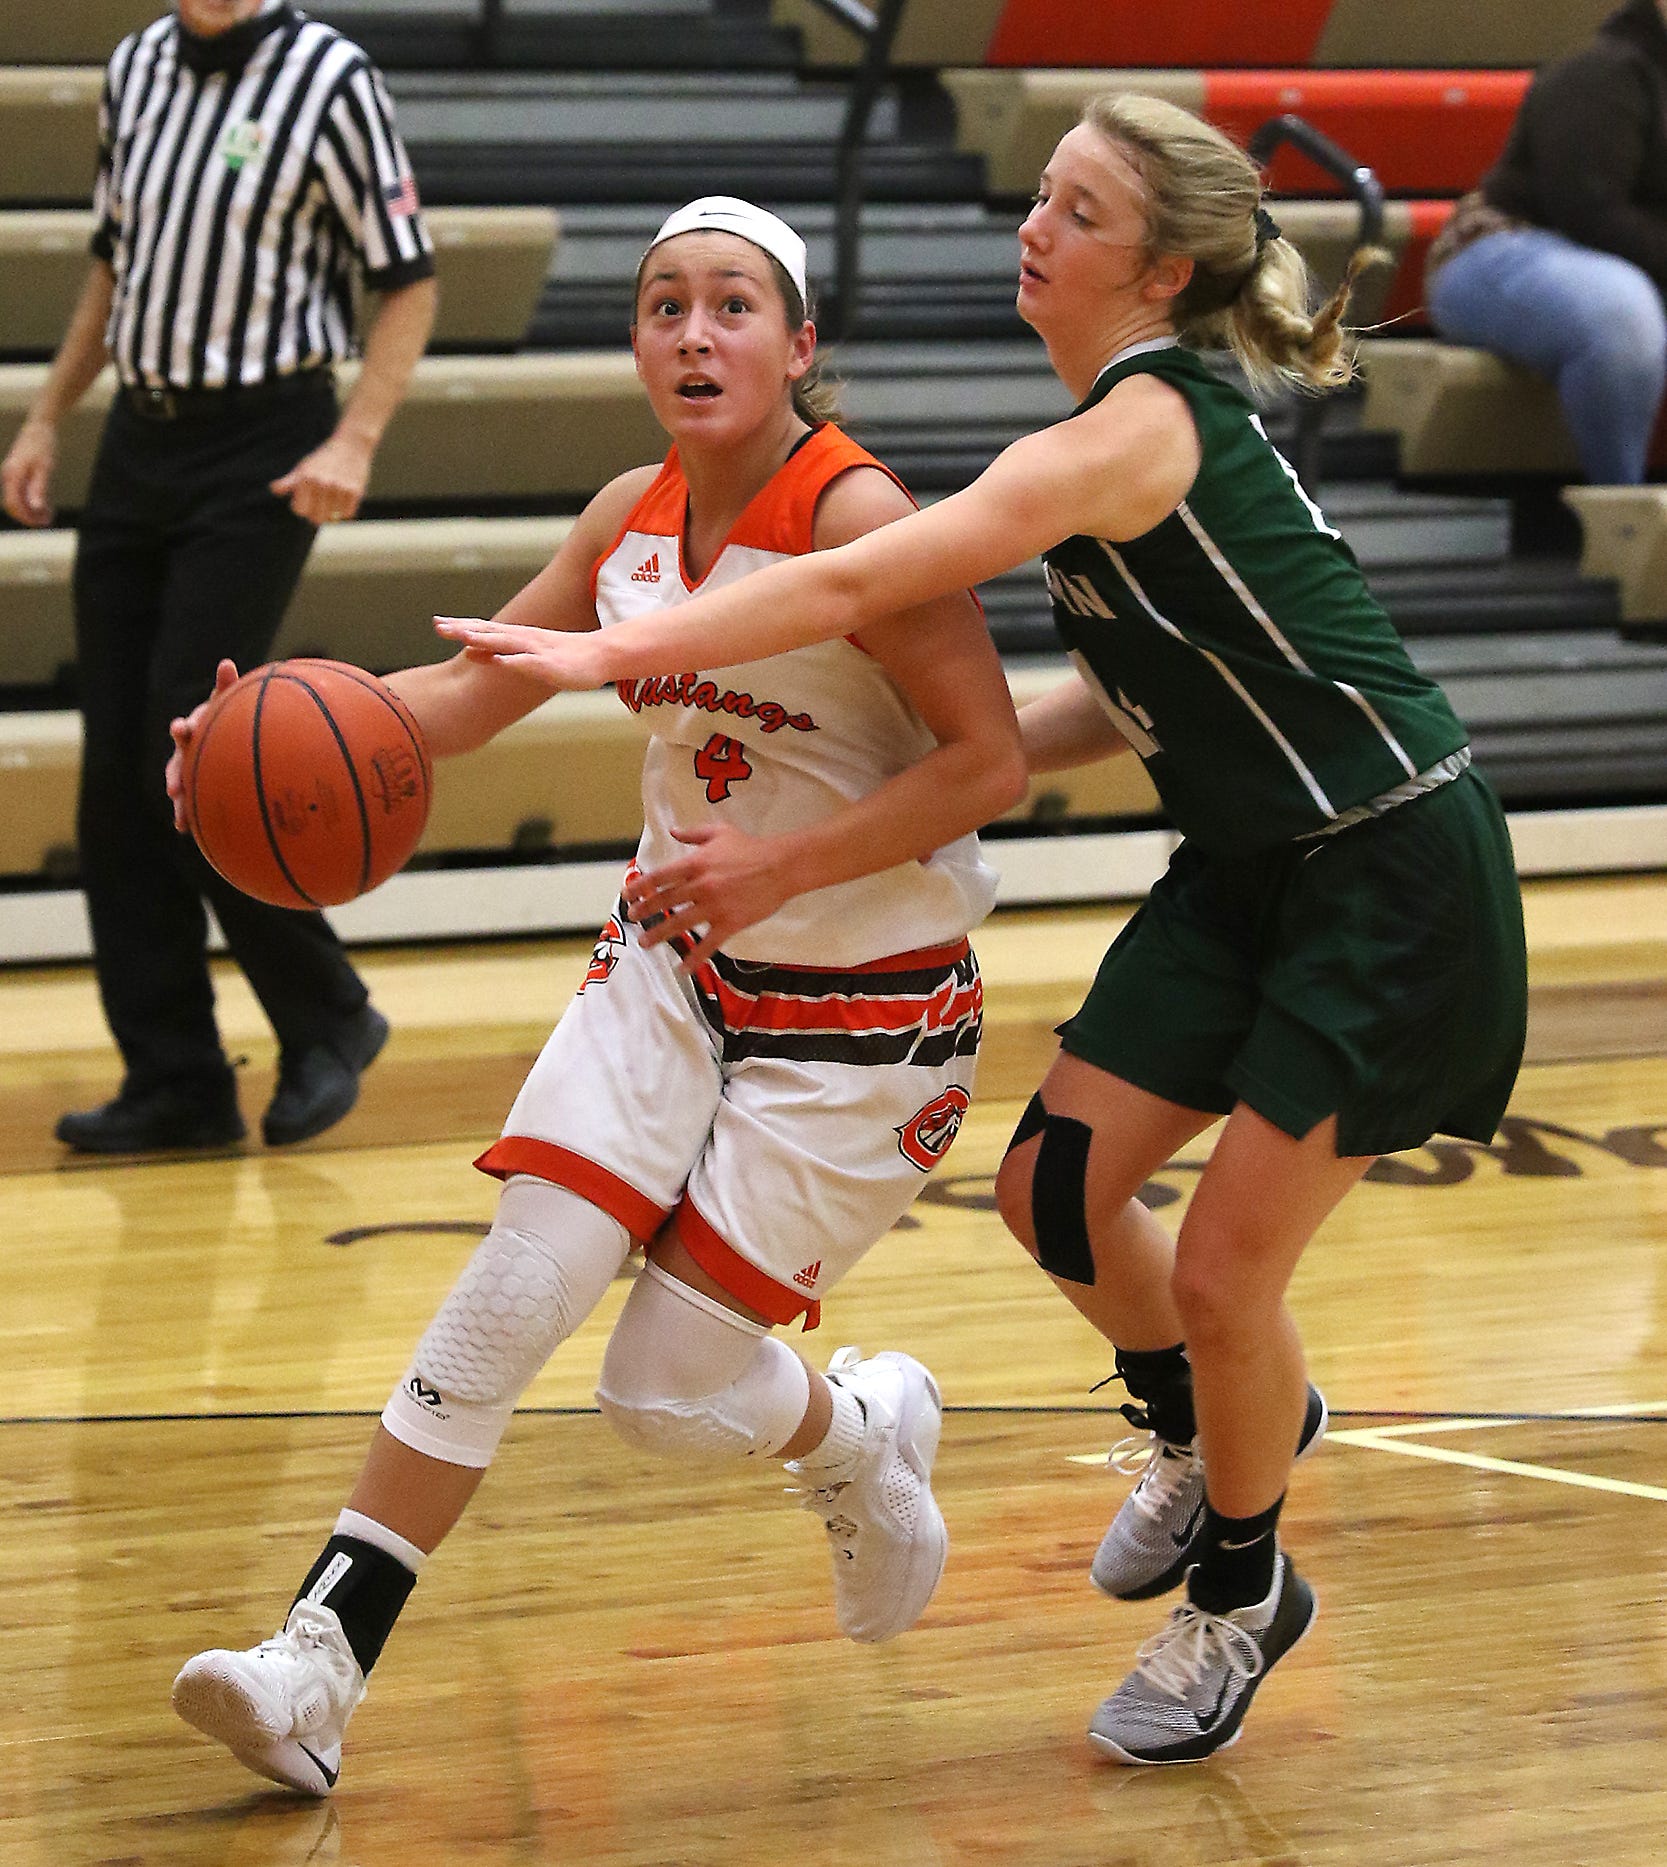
column 724, row 213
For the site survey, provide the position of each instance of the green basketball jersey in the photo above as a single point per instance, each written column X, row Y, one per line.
column 1236, row 644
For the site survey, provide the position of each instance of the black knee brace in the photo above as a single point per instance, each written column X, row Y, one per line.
column 1058, row 1191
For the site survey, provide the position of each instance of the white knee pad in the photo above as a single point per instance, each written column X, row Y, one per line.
column 687, row 1378
column 535, row 1277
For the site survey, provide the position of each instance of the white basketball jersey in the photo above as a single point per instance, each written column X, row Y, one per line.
column 771, row 746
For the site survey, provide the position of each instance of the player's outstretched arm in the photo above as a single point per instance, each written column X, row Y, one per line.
column 463, row 702
column 1112, row 472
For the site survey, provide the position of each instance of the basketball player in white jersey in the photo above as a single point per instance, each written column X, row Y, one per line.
column 756, row 1103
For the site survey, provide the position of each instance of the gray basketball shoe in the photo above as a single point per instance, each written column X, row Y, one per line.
column 1194, row 1680
column 1153, row 1540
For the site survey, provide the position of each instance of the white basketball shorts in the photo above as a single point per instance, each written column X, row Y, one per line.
column 786, row 1116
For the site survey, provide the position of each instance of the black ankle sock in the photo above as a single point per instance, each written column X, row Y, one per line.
column 364, row 1587
column 1235, row 1569
column 1161, row 1380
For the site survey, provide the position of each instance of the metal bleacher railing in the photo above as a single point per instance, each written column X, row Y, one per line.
column 1363, row 185
column 876, row 27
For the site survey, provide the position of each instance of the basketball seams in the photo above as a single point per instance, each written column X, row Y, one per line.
column 336, row 733
column 379, row 690
column 246, row 780
column 267, row 678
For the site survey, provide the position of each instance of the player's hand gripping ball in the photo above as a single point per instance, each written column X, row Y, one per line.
column 307, row 783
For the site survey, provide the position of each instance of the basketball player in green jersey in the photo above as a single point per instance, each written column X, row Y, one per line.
column 1334, row 961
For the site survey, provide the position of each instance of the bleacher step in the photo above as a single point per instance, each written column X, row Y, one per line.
column 575, row 35
column 1387, row 527
column 938, row 270
column 658, row 137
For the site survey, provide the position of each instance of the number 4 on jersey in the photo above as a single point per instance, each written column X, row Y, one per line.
column 721, row 762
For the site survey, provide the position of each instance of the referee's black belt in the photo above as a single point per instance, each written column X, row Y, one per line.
column 153, row 404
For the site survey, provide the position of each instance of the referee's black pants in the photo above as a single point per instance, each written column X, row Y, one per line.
column 185, row 556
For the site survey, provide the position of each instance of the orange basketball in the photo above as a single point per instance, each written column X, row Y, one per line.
column 307, row 784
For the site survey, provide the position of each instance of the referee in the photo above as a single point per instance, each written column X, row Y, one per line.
column 249, row 175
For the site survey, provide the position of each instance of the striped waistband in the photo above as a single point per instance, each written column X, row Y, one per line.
column 1385, row 801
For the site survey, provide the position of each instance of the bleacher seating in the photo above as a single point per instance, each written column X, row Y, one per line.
column 1624, row 537
column 1254, row 34
column 368, row 594
column 1456, row 411
column 932, row 33
column 615, row 109
column 1422, row 133
column 492, row 264
column 550, row 427
column 84, row 32
column 48, row 133
column 566, row 776
column 1271, row 33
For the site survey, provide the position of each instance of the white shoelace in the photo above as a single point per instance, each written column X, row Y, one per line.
column 1190, row 1644
column 1160, row 1477
column 305, row 1644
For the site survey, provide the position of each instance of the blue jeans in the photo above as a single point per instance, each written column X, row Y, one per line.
column 1591, row 324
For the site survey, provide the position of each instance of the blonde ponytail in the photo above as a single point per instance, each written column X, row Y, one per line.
column 1250, row 289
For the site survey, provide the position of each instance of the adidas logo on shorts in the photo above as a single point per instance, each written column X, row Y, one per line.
column 808, row 1276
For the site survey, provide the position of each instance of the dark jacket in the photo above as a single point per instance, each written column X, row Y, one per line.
column 1587, row 155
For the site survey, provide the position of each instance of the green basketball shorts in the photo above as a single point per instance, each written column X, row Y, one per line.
column 1378, row 975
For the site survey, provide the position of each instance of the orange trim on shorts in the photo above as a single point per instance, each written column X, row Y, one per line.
column 522, row 1153
column 743, row 1280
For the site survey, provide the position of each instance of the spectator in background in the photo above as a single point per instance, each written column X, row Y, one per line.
column 1559, row 260
column 248, row 167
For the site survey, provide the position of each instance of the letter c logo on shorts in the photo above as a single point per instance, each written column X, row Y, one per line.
column 604, row 956
column 924, row 1138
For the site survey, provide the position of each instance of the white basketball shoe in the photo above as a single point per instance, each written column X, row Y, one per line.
column 885, row 1532
column 281, row 1707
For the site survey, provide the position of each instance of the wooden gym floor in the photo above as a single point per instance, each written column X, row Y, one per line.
column 612, row 1663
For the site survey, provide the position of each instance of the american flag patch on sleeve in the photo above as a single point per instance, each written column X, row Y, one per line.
column 401, row 198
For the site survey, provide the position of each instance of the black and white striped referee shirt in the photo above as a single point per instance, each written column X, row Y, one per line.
column 242, row 182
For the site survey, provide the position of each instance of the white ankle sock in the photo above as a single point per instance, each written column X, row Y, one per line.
column 836, row 1455
column 367, row 1530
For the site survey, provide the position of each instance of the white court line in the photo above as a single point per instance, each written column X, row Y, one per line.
column 1443, row 1455
column 1405, row 1429
column 1396, row 1439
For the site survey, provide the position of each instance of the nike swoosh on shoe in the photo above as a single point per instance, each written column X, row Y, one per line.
column 331, row 1777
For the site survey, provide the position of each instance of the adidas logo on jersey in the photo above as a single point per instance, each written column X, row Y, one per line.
column 648, row 571
column 808, row 1276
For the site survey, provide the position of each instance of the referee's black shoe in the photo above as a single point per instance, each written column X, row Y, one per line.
column 317, row 1086
column 170, row 1115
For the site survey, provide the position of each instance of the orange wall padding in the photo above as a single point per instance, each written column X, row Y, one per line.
column 1158, row 32
column 1424, row 132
